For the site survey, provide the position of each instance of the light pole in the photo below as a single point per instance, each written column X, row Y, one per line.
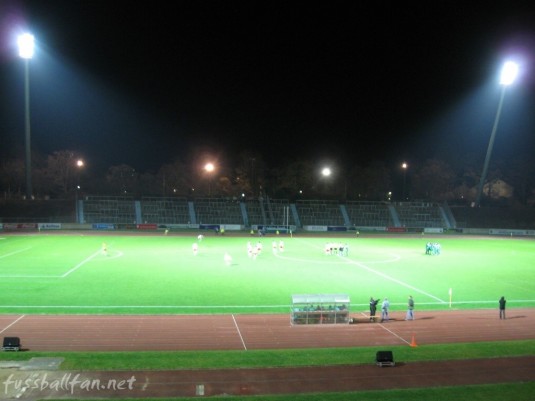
column 26, row 45
column 209, row 168
column 507, row 77
column 404, row 167
column 79, row 165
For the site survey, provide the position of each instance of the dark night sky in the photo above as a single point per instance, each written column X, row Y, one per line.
column 145, row 82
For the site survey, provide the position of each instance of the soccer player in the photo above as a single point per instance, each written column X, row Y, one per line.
column 195, row 248
column 256, row 251
column 281, row 246
column 227, row 258
column 200, row 237
column 104, row 248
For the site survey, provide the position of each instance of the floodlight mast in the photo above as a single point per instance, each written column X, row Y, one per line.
column 26, row 43
column 507, row 77
column 404, row 167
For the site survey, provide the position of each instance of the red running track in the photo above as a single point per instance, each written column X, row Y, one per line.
column 249, row 332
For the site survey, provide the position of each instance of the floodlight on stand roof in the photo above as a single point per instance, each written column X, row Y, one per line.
column 26, row 44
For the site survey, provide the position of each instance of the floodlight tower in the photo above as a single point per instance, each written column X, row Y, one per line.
column 209, row 168
column 404, row 168
column 507, row 77
column 26, row 43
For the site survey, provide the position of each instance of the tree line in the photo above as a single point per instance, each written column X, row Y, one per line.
column 58, row 176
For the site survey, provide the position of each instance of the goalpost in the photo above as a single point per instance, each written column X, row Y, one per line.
column 286, row 218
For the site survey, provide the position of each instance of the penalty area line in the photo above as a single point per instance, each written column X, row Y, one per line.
column 83, row 262
column 13, row 253
column 395, row 280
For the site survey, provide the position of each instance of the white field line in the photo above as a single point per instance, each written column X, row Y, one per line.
column 212, row 307
column 395, row 280
column 83, row 262
column 12, row 323
column 387, row 277
column 27, row 276
column 239, row 333
column 13, row 253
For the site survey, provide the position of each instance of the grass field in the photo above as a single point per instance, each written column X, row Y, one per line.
column 159, row 274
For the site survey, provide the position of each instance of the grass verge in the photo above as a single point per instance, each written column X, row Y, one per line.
column 171, row 360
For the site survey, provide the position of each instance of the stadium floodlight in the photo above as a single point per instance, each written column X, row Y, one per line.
column 26, row 43
column 209, row 168
column 80, row 165
column 404, row 167
column 508, row 75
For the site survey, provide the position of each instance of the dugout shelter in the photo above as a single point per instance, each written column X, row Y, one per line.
column 320, row 309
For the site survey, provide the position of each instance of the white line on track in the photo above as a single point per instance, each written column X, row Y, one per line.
column 394, row 334
column 12, row 323
column 239, row 333
column 390, row 331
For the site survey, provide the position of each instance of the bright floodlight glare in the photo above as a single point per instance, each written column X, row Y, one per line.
column 26, row 44
column 209, row 167
column 326, row 172
column 509, row 73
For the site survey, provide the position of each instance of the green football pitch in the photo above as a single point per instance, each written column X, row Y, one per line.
column 160, row 274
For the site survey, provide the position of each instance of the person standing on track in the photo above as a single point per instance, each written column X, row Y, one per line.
column 501, row 303
column 373, row 308
column 410, row 309
column 384, row 310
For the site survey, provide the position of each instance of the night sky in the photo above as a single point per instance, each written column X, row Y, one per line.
column 143, row 83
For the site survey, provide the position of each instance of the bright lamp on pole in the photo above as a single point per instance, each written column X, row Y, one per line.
column 404, row 167
column 507, row 77
column 26, row 43
column 209, row 168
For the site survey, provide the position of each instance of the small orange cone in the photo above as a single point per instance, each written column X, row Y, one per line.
column 413, row 341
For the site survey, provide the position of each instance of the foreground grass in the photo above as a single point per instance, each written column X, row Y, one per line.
column 274, row 358
column 86, row 361
column 494, row 392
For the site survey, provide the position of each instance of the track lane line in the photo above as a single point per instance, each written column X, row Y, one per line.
column 239, row 332
column 12, row 324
